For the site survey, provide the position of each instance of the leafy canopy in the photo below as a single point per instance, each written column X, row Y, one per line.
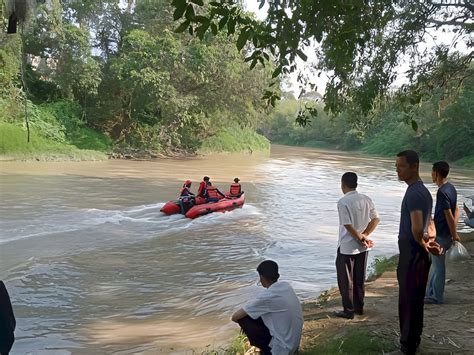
column 360, row 41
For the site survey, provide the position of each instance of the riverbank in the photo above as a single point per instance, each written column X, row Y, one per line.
column 83, row 144
column 448, row 328
column 465, row 162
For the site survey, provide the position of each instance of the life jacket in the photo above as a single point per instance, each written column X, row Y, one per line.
column 212, row 192
column 202, row 189
column 235, row 189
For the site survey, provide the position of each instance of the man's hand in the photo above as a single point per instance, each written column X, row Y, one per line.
column 369, row 243
column 434, row 248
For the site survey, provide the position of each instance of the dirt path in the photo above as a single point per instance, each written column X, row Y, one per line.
column 448, row 328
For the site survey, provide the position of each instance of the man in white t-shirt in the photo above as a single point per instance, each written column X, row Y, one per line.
column 357, row 219
column 274, row 320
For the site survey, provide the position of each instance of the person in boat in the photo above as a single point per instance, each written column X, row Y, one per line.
column 235, row 188
column 272, row 321
column 186, row 197
column 213, row 194
column 202, row 187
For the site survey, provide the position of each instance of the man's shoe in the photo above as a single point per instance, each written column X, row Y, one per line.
column 343, row 314
column 359, row 312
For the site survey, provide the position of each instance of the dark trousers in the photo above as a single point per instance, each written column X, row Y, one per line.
column 7, row 321
column 412, row 274
column 257, row 333
column 350, row 279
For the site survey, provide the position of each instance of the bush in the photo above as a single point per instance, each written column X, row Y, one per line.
column 235, row 139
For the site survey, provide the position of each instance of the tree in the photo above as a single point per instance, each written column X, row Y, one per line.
column 360, row 42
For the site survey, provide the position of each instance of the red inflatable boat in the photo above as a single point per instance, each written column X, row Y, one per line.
column 202, row 208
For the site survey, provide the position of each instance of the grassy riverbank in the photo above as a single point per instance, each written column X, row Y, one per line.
column 447, row 328
column 81, row 143
column 14, row 146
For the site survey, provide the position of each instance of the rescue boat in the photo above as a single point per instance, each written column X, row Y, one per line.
column 202, row 208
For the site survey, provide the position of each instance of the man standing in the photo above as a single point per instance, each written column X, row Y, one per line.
column 357, row 220
column 274, row 320
column 445, row 219
column 414, row 246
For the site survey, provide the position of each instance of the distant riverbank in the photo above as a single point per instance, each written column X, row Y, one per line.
column 88, row 145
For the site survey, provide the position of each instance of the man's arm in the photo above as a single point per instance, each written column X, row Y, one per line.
column 371, row 226
column 355, row 234
column 417, row 229
column 448, row 214
column 457, row 214
column 417, row 226
column 239, row 315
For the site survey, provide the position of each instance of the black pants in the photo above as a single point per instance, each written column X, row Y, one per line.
column 257, row 333
column 7, row 321
column 350, row 279
column 412, row 274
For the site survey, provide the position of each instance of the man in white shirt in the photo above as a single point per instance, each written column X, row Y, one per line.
column 274, row 320
column 357, row 220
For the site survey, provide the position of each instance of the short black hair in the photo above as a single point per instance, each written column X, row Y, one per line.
column 442, row 168
column 206, row 178
column 411, row 156
column 269, row 270
column 349, row 179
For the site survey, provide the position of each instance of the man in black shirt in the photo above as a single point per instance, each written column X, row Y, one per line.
column 415, row 246
column 445, row 219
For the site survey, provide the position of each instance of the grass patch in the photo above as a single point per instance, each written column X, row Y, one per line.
column 86, row 138
column 238, row 346
column 353, row 342
column 309, row 143
column 14, row 145
column 235, row 140
column 380, row 265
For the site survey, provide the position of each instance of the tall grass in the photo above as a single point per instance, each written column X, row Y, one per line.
column 14, row 145
column 235, row 139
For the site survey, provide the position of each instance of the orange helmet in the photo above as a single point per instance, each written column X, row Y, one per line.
column 187, row 182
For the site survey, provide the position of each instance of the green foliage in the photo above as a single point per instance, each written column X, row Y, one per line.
column 86, row 138
column 445, row 125
column 353, row 342
column 13, row 144
column 381, row 265
column 239, row 346
column 235, row 139
column 9, row 63
column 146, row 87
column 46, row 123
column 323, row 131
column 360, row 42
column 395, row 137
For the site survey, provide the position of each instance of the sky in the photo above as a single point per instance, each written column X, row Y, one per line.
column 432, row 39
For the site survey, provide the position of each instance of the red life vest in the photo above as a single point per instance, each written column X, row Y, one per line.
column 212, row 192
column 202, row 189
column 235, row 189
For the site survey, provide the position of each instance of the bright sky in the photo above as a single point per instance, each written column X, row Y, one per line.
column 432, row 39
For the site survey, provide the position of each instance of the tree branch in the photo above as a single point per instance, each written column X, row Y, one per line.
column 450, row 23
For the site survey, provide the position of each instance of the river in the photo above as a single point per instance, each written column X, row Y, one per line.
column 92, row 266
